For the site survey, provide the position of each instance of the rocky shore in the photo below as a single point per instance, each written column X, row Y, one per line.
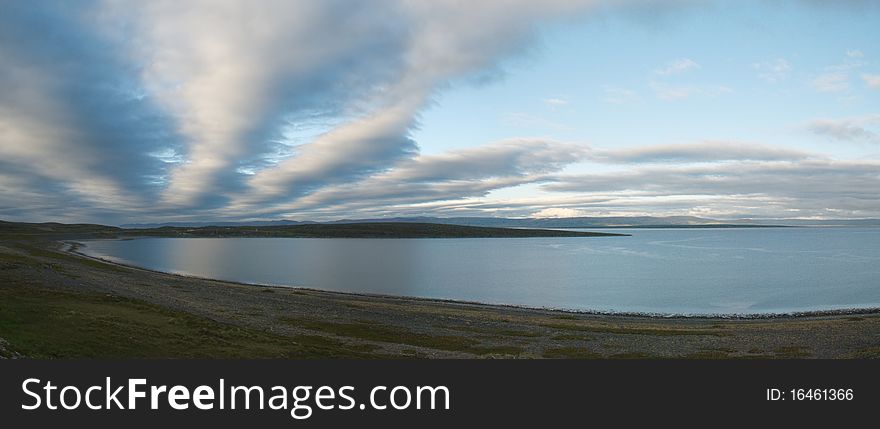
column 56, row 303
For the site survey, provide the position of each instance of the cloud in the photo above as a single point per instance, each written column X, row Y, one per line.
column 831, row 82
column 504, row 158
column 114, row 111
column 558, row 212
column 773, row 71
column 707, row 151
column 678, row 66
column 441, row 44
column 454, row 175
column 461, row 182
column 804, row 188
column 669, row 92
column 615, row 95
column 73, row 113
column 769, row 188
column 232, row 73
column 187, row 108
column 854, row 53
column 872, row 80
column 837, row 77
column 555, row 102
column 853, row 130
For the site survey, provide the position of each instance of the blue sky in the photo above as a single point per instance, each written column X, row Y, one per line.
column 118, row 112
column 596, row 80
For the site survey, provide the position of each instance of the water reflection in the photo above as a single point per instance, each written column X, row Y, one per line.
column 664, row 271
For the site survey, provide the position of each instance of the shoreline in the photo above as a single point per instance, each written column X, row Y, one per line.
column 843, row 312
column 59, row 304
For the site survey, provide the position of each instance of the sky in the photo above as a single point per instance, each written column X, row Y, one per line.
column 125, row 111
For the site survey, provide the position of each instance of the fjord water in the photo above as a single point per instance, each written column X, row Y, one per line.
column 669, row 271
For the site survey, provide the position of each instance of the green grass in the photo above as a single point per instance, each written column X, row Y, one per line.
column 791, row 352
column 43, row 323
column 708, row 354
column 496, row 350
column 566, row 317
column 41, row 252
column 570, row 353
column 14, row 230
column 9, row 261
column 372, row 331
column 583, row 353
column 493, row 332
column 632, row 355
column 868, row 353
column 571, row 337
column 631, row 331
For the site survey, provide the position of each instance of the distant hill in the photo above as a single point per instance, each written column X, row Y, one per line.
column 574, row 222
column 282, row 227
column 54, row 228
column 311, row 230
column 204, row 224
column 818, row 222
column 360, row 230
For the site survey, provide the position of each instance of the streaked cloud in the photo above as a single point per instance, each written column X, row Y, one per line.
column 455, row 175
column 184, row 107
column 708, row 151
column 836, row 78
column 678, row 66
column 559, row 212
column 615, row 95
column 555, row 102
column 773, row 71
column 854, row 53
column 766, row 188
column 872, row 80
column 831, row 82
column 852, row 130
column 671, row 92
column 120, row 111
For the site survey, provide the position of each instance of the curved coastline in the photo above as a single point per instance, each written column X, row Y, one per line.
column 74, row 246
column 67, row 305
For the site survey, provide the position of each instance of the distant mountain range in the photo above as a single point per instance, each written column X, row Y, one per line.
column 572, row 222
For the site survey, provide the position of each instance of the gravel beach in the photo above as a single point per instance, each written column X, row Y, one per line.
column 311, row 323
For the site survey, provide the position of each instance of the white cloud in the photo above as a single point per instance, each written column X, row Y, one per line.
column 445, row 177
column 773, row 71
column 705, row 151
column 138, row 110
column 615, row 95
column 836, row 78
column 555, row 102
column 831, row 82
column 855, row 130
column 820, row 187
column 872, row 80
column 854, row 53
column 669, row 92
column 678, row 66
column 558, row 212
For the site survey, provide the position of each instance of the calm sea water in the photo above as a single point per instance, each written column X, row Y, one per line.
column 674, row 271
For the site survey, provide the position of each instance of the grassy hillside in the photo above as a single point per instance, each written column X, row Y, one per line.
column 350, row 230
column 363, row 230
